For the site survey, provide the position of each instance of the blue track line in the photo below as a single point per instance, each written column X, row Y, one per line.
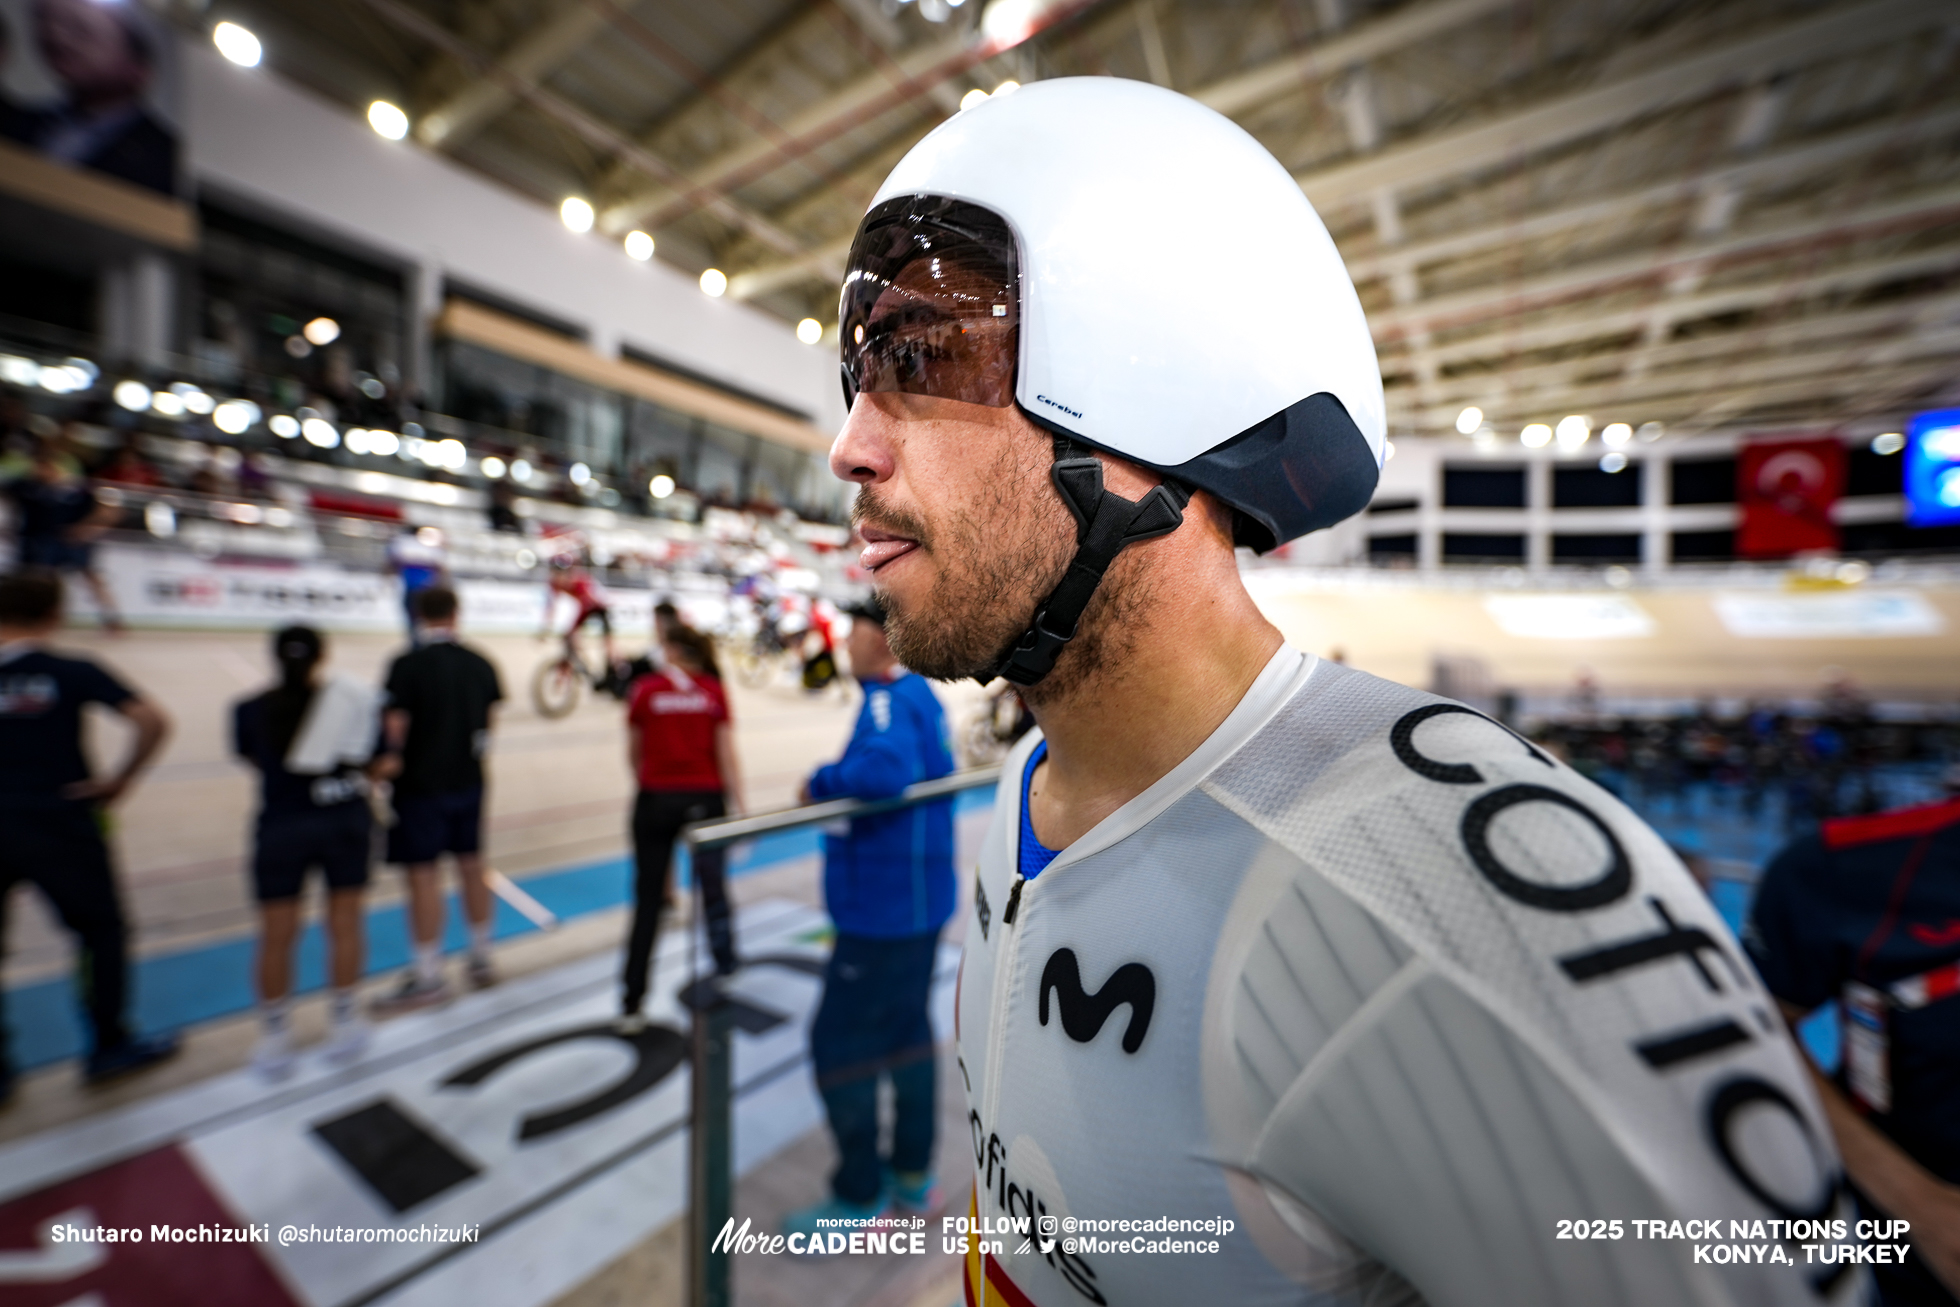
column 176, row 990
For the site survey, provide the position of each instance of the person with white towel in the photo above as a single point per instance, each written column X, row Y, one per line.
column 311, row 737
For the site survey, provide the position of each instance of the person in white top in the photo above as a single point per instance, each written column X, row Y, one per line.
column 1352, row 994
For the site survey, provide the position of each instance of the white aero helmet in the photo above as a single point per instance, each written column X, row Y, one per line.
column 1137, row 274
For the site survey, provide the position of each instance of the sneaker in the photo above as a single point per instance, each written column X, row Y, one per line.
column 914, row 1193
column 273, row 1058
column 410, row 995
column 129, row 1057
column 480, row 973
column 346, row 1041
column 819, row 1218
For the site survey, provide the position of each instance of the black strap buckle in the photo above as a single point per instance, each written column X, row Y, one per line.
column 1105, row 525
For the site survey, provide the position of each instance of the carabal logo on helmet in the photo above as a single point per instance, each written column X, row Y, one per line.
column 1063, row 407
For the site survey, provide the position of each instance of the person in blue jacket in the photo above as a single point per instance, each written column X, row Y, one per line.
column 889, row 885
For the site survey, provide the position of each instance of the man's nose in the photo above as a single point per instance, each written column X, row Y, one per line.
column 862, row 451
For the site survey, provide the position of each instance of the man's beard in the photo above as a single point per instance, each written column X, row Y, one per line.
column 997, row 557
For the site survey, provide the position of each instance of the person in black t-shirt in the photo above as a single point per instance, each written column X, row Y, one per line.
column 1867, row 912
column 52, row 807
column 59, row 520
column 436, row 730
column 309, row 737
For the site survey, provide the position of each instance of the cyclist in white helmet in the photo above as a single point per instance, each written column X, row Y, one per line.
column 1258, row 939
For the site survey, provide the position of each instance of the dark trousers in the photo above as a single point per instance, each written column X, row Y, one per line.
column 873, row 1021
column 657, row 820
column 59, row 848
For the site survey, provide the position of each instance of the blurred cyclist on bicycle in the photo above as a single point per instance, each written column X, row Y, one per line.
column 569, row 576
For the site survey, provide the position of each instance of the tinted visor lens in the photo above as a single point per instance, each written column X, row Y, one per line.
column 931, row 303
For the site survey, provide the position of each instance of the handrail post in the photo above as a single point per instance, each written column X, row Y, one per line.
column 709, row 1148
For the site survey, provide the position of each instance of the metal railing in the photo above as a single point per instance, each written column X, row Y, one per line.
column 711, row 1181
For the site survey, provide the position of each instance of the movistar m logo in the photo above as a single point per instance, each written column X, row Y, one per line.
column 1083, row 1013
column 1063, row 407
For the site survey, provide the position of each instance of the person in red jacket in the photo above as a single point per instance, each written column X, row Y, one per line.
column 1867, row 912
column 682, row 750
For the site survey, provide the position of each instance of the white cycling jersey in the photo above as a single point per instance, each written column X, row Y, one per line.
column 1397, row 994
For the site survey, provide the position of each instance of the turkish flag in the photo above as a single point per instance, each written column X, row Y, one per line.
column 1786, row 489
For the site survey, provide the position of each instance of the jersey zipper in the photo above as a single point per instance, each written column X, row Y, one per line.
column 998, row 1012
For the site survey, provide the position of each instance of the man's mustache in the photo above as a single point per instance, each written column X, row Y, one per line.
column 889, row 517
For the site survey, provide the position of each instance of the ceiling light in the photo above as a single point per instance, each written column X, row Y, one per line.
column 195, row 400
column 576, row 213
column 237, row 44
column 451, row 454
column 1007, row 23
column 520, row 470
column 714, row 283
column 639, row 246
column 283, row 425
column 390, row 121
column 1650, row 432
column 1891, row 442
column 357, row 440
column 493, row 467
column 1616, row 435
column 1573, row 431
column 322, row 331
column 1469, row 419
column 1535, row 436
column 661, row 486
column 62, row 379
column 1613, row 462
column 384, row 443
column 164, row 404
column 973, row 97
column 232, row 417
column 809, row 331
column 580, row 474
column 132, row 395
column 319, row 431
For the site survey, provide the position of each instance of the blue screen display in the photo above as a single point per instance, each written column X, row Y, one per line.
column 1933, row 468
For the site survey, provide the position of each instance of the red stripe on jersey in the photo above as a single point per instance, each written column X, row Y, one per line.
column 1941, row 983
column 1845, row 832
column 1930, row 987
column 1008, row 1291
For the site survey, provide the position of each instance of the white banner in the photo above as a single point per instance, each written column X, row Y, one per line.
column 1852, row 614
column 1569, row 616
column 169, row 588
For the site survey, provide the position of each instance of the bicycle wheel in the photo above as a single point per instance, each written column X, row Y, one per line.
column 757, row 668
column 554, row 688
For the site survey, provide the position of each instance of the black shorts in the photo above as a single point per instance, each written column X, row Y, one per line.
column 337, row 840
column 430, row 825
column 57, row 555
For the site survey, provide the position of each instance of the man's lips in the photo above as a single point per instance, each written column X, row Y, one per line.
column 881, row 547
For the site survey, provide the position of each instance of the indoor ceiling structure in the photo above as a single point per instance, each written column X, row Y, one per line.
column 1697, row 213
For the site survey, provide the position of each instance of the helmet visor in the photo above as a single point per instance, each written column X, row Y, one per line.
column 931, row 303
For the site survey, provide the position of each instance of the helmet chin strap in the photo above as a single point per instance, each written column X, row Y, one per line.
column 1105, row 525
